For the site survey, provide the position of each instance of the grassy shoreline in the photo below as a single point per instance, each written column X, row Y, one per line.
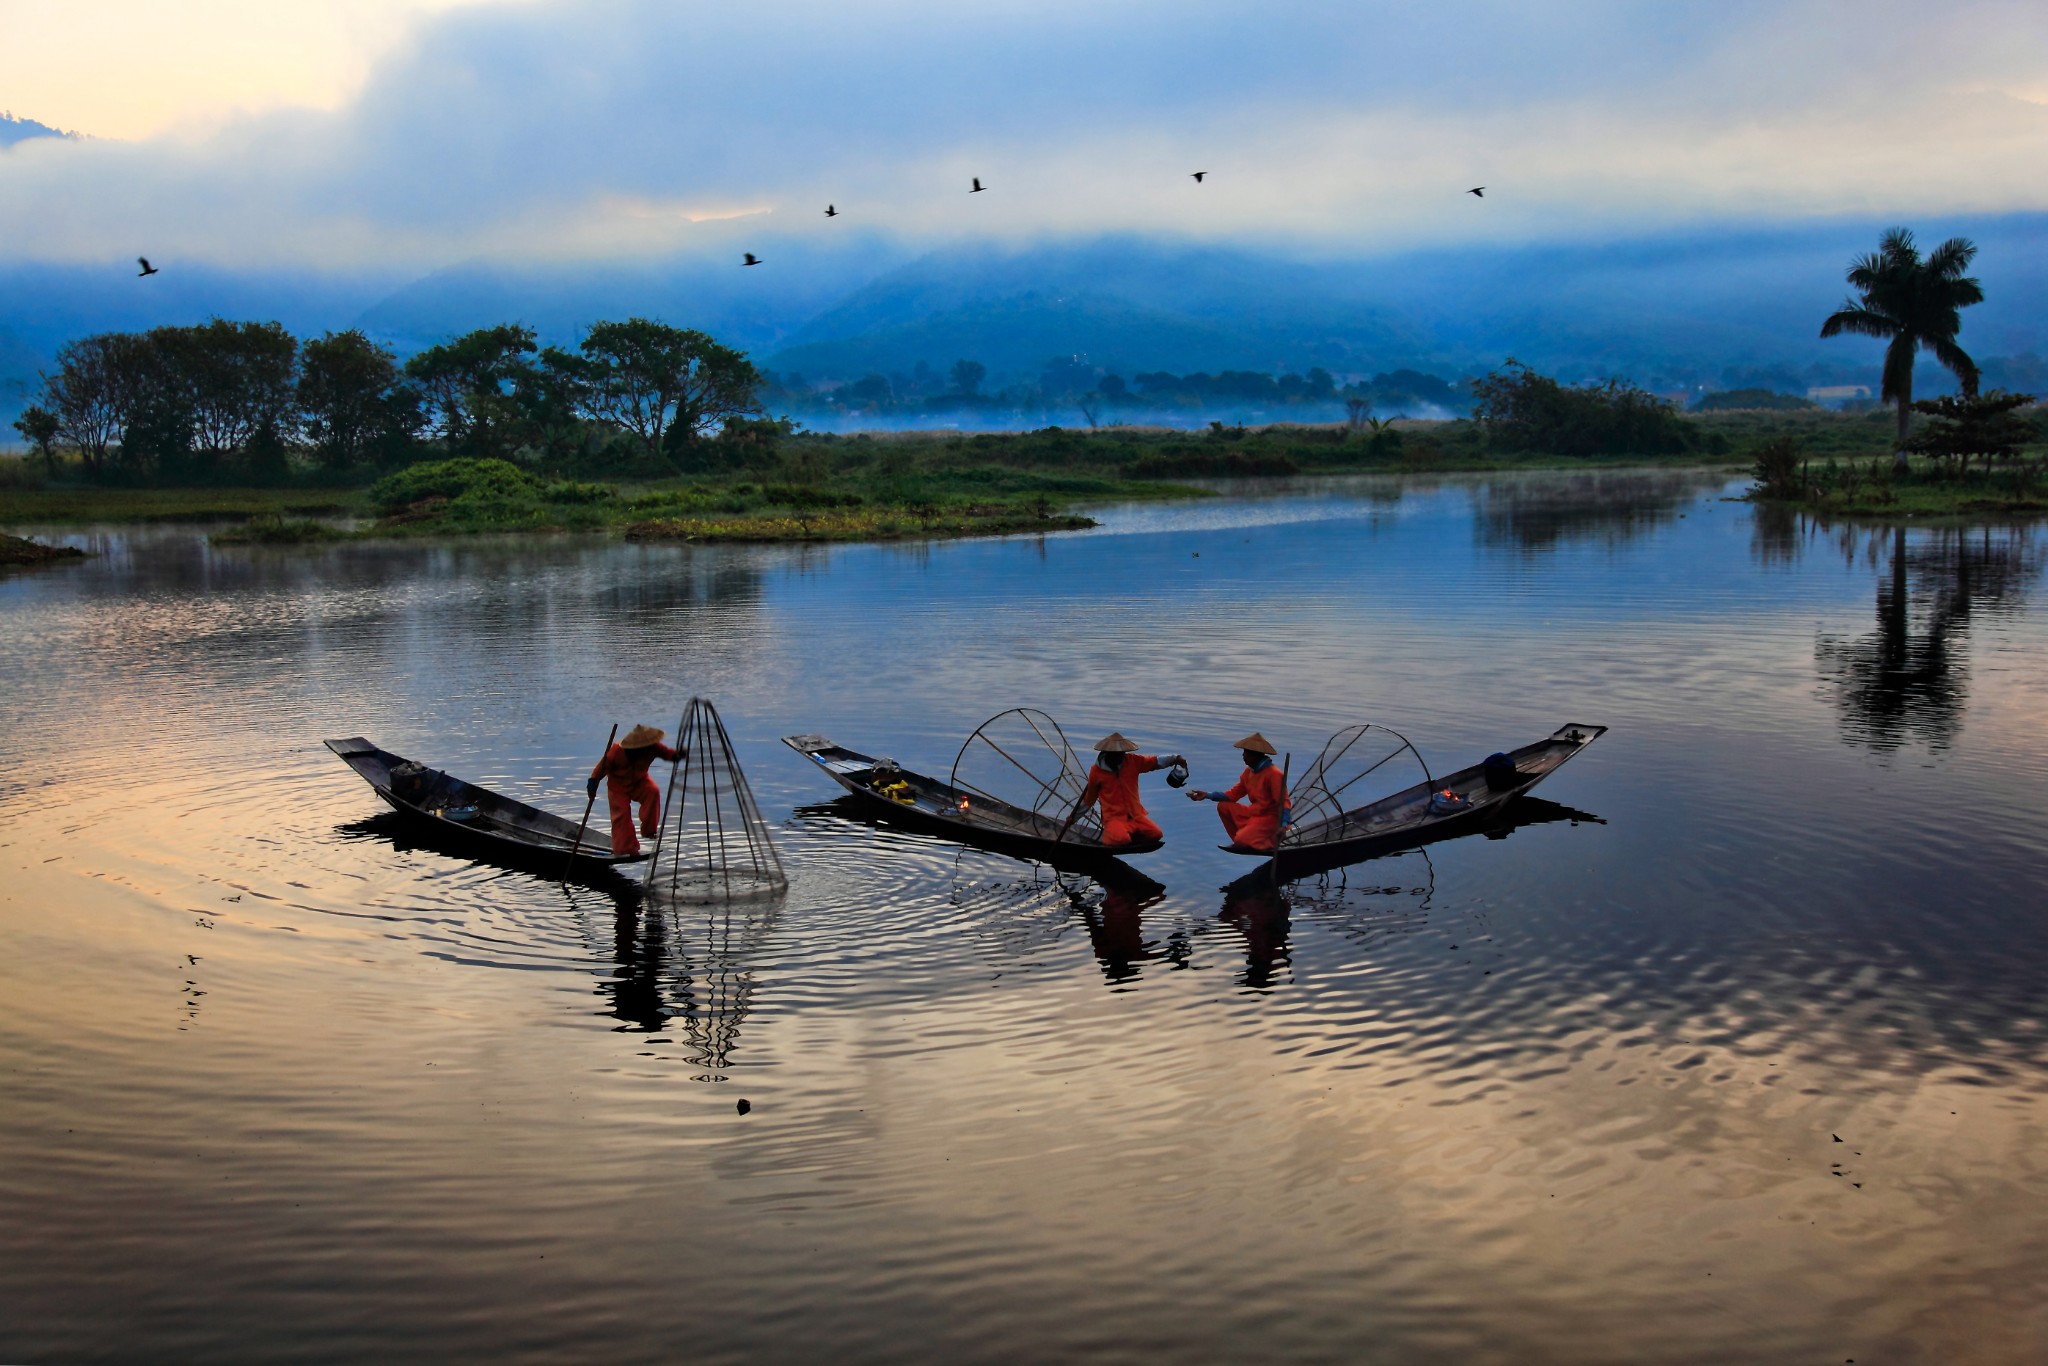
column 15, row 552
column 1925, row 490
column 870, row 487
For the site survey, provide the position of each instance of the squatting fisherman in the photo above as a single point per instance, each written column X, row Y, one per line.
column 624, row 771
column 1263, row 790
column 1113, row 781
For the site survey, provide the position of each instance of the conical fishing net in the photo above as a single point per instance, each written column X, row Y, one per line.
column 1022, row 759
column 713, row 844
column 1360, row 765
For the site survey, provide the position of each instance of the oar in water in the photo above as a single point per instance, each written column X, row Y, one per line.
column 577, row 847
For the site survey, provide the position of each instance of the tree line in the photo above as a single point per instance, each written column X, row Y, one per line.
column 243, row 400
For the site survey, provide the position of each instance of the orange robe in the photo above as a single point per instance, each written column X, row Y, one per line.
column 1255, row 825
column 1123, row 815
column 626, row 782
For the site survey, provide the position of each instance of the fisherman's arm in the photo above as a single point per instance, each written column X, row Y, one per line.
column 1088, row 796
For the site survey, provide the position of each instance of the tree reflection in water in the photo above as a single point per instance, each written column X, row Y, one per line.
column 1909, row 679
column 1606, row 508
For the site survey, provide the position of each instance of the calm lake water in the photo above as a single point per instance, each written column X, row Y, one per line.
column 1750, row 1067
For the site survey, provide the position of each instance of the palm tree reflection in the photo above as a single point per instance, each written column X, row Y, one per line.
column 1909, row 679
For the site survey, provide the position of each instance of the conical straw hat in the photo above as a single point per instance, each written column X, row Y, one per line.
column 640, row 737
column 1114, row 743
column 1257, row 743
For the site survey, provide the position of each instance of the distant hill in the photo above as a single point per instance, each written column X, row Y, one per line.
column 1122, row 303
column 13, row 130
column 1671, row 312
column 752, row 309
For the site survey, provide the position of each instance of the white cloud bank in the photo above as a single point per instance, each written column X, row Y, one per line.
column 556, row 131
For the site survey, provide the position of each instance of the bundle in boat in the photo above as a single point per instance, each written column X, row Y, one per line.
column 713, row 845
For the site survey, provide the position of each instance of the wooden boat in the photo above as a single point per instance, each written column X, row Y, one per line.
column 1437, row 808
column 889, row 792
column 484, row 823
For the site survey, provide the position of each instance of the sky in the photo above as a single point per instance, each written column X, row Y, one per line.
column 405, row 135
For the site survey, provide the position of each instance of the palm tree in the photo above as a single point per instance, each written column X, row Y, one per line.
column 1911, row 303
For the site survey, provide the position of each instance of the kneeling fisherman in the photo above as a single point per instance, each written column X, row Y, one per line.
column 1113, row 780
column 624, row 771
column 1262, row 789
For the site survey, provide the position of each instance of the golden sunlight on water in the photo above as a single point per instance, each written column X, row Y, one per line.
column 283, row 1083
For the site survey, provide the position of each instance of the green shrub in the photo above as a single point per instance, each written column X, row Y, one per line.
column 1780, row 469
column 476, row 481
column 570, row 491
column 1525, row 411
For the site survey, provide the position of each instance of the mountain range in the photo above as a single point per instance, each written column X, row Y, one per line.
column 1672, row 311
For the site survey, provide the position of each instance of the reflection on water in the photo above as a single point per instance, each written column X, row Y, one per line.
column 1609, row 508
column 673, row 969
column 1909, row 679
column 687, row 970
column 282, row 1080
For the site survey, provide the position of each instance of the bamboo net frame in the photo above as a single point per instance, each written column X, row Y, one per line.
column 713, row 844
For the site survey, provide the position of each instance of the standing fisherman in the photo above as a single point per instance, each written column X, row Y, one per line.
column 624, row 769
column 1113, row 780
column 1255, row 825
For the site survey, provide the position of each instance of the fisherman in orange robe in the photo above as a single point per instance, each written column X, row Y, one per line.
column 1113, row 781
column 1256, row 824
column 624, row 771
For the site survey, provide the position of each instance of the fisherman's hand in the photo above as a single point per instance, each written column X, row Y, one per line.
column 1198, row 796
column 590, row 789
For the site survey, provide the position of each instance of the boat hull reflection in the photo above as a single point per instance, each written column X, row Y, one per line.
column 1292, row 865
column 1073, row 857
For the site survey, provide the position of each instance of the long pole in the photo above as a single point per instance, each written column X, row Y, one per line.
column 577, row 847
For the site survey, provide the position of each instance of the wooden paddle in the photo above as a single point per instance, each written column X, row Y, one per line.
column 577, row 847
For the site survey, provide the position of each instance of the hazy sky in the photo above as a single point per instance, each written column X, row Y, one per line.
column 411, row 133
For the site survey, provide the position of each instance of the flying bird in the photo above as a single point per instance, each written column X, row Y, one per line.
column 831, row 212
column 752, row 260
column 977, row 186
column 1478, row 192
column 147, row 268
column 1198, row 176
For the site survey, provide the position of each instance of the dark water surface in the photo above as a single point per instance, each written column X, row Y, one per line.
column 274, row 1086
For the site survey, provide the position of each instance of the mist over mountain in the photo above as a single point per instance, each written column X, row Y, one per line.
column 1672, row 311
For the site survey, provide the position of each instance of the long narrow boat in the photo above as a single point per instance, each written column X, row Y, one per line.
column 888, row 792
column 1436, row 808
column 488, row 824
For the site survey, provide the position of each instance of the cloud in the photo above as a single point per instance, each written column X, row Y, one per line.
column 546, row 132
